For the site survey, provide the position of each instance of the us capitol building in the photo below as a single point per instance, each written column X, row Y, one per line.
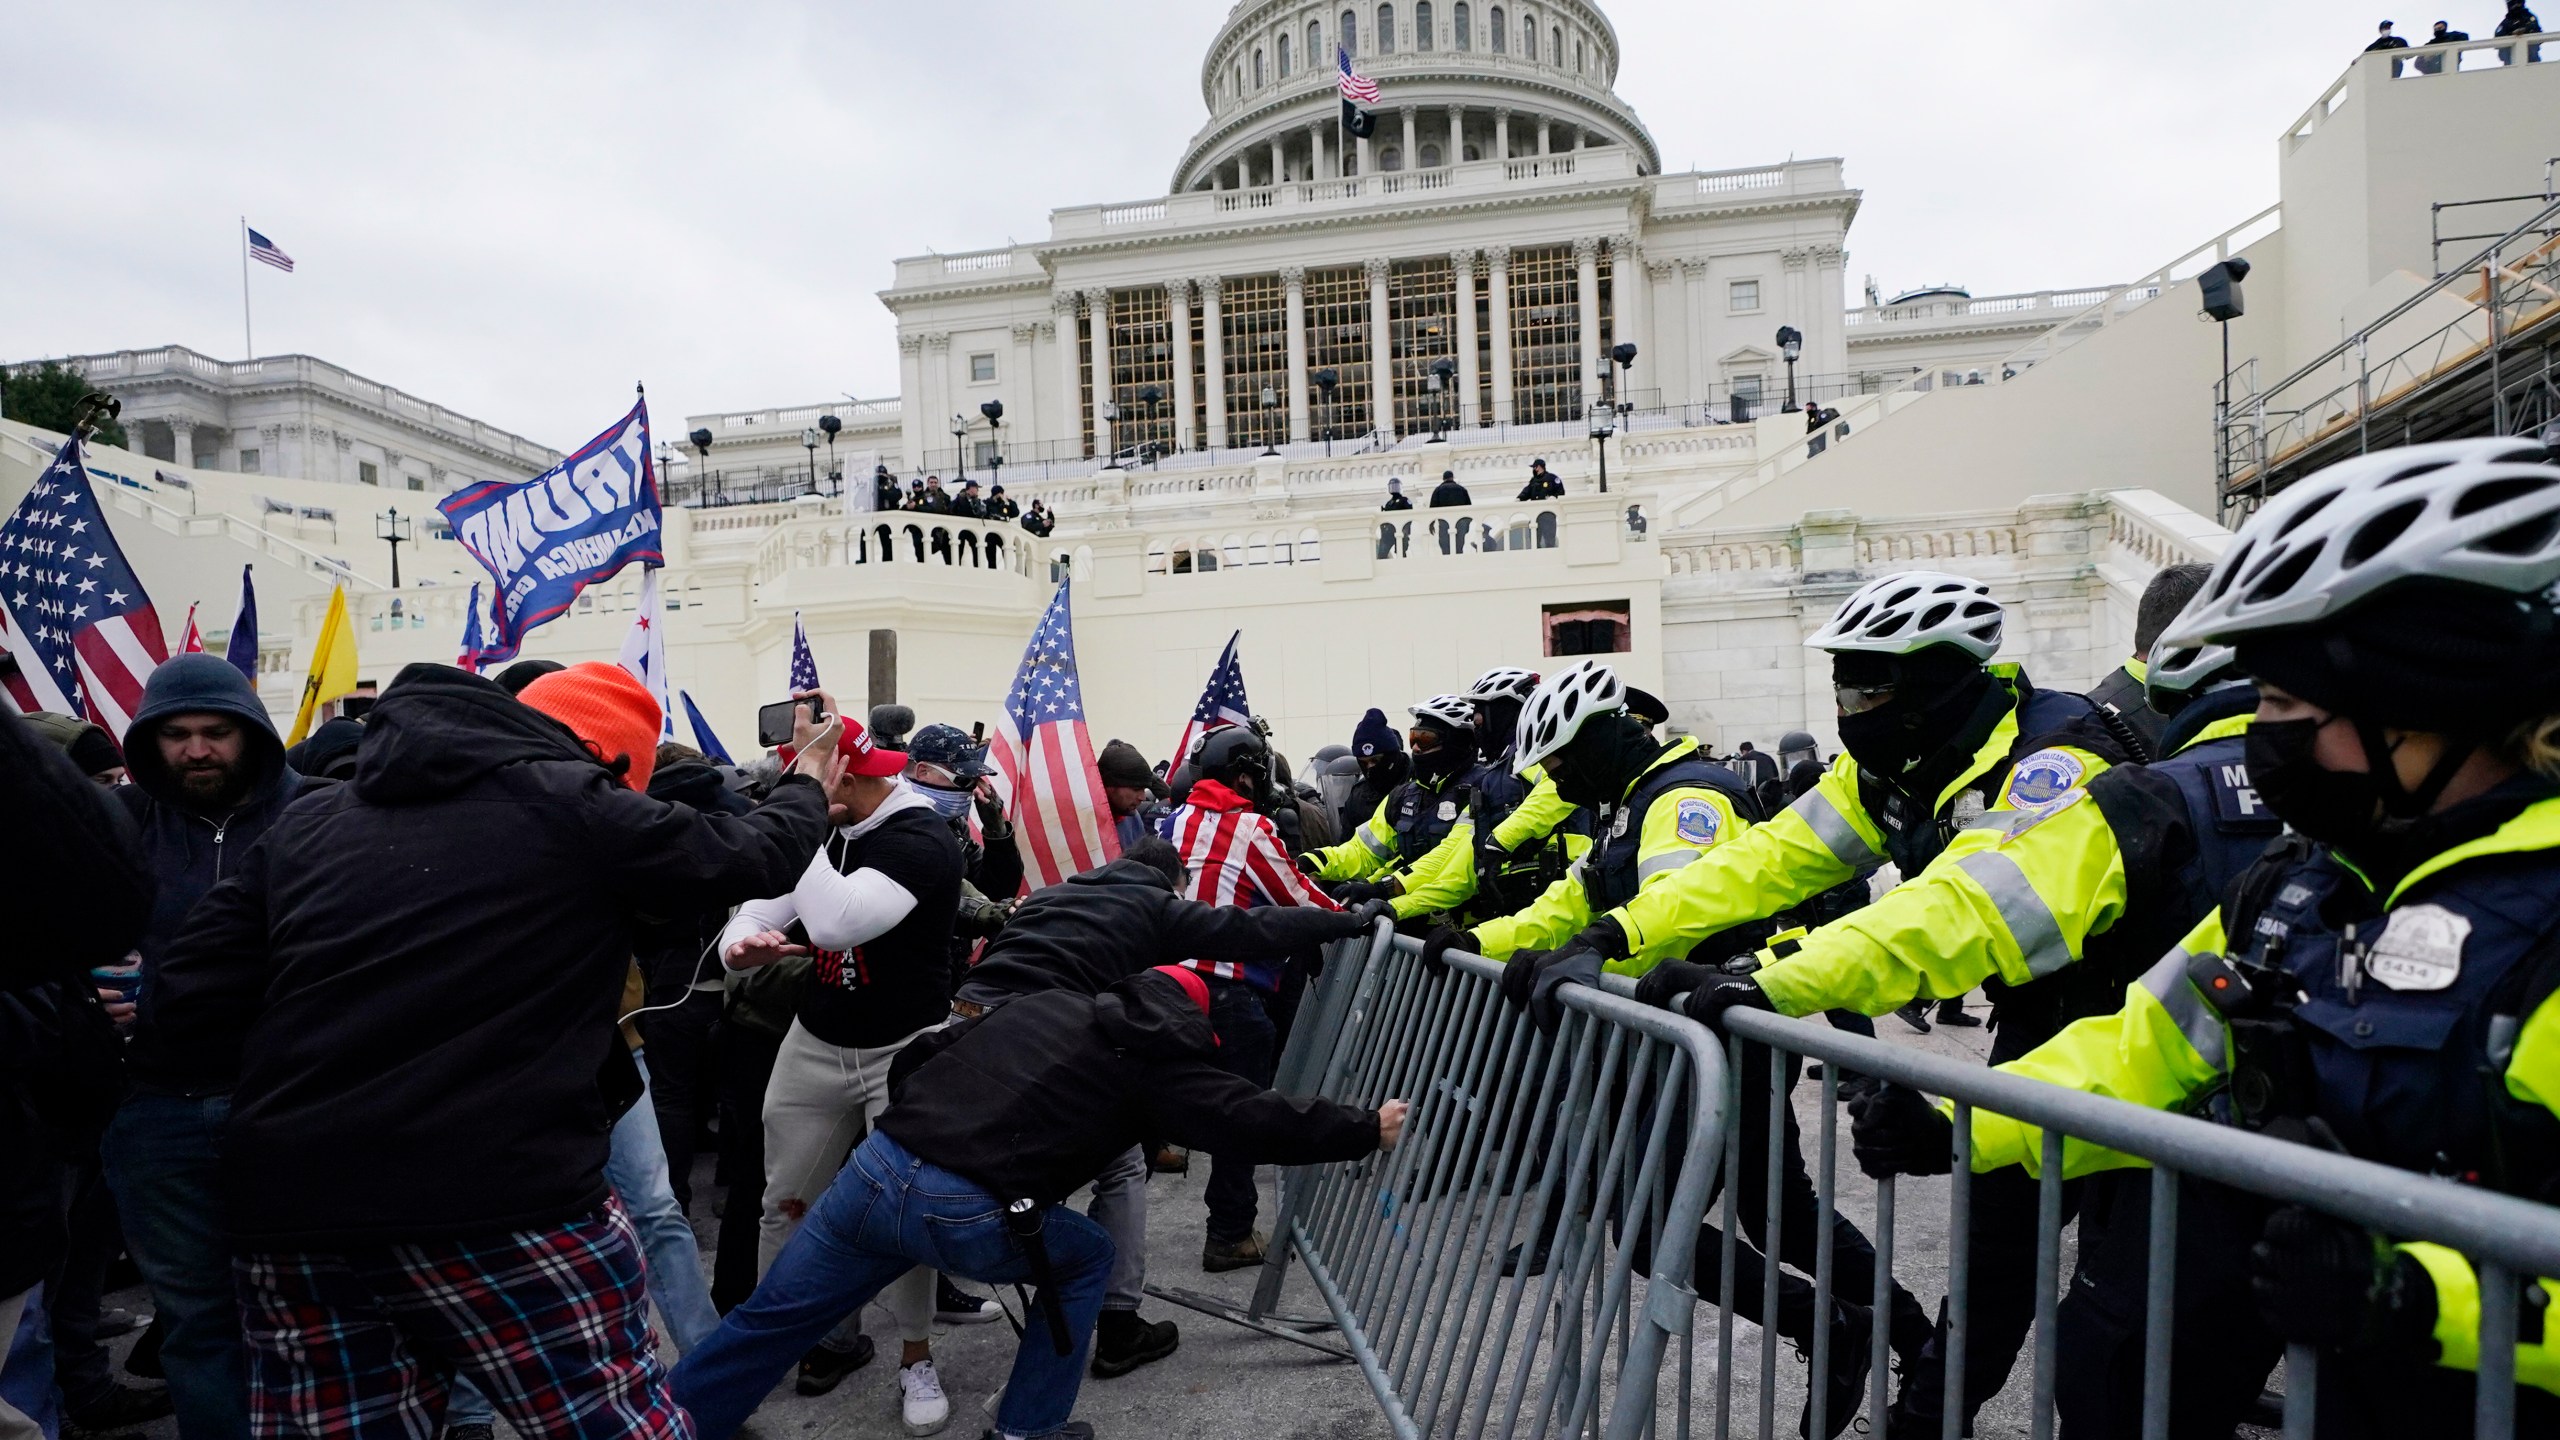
column 1213, row 386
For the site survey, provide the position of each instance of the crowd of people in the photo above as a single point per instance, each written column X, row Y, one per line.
column 387, row 1059
column 928, row 496
column 2518, row 20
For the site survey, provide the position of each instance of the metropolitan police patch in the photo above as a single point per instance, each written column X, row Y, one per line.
column 1698, row 822
column 2044, row 777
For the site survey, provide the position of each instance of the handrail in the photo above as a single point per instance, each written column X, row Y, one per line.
column 235, row 527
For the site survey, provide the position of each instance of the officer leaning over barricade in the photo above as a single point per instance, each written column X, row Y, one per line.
column 1943, row 749
column 2383, row 981
column 1418, row 814
column 1500, row 856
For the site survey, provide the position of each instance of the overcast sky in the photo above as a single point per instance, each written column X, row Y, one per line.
column 517, row 210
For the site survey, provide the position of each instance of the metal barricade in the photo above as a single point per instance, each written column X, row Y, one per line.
column 1596, row 1150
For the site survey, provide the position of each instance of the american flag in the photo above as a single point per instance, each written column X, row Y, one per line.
column 804, row 666
column 1357, row 88
column 72, row 611
column 1223, row 703
column 1046, row 758
column 264, row 250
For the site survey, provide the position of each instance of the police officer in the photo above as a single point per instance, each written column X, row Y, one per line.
column 1501, row 856
column 2383, row 981
column 1420, row 813
column 1657, row 808
column 2122, row 694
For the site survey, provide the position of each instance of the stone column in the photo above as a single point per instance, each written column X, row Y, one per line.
column 1796, row 259
column 1213, row 360
column 1069, row 406
column 1099, row 302
column 1382, row 400
column 1293, row 278
column 1626, row 276
column 1497, row 260
column 937, row 384
column 1412, row 156
column 1177, row 294
column 1022, row 412
column 1316, row 152
column 1828, row 284
column 911, row 410
column 1456, row 151
column 1546, row 134
column 1368, row 155
column 1462, row 270
column 1699, row 367
column 1502, row 133
column 1586, row 304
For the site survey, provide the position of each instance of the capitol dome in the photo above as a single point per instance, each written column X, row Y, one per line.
column 1461, row 80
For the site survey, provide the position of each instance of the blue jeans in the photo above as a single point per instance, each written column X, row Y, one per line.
column 26, row 1365
column 163, row 1159
column 886, row 1213
column 636, row 1168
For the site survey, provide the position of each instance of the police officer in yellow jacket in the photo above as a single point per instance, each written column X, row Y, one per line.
column 1500, row 856
column 1417, row 815
column 2385, row 983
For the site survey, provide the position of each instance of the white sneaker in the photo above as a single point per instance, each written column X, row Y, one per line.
column 921, row 1399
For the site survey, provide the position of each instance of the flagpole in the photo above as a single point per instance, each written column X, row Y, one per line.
column 248, row 339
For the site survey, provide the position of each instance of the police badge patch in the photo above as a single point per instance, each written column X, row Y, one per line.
column 2043, row 777
column 1448, row 809
column 2420, row 948
column 1698, row 822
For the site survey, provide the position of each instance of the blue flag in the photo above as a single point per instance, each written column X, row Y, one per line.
column 545, row 539
column 242, row 649
column 470, row 659
column 703, row 740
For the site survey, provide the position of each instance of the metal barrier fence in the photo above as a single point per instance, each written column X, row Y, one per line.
column 1595, row 1149
column 1608, row 1138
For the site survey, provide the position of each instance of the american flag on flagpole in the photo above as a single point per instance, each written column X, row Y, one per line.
column 1046, row 758
column 264, row 251
column 1357, row 88
column 72, row 612
column 1223, row 703
column 804, row 666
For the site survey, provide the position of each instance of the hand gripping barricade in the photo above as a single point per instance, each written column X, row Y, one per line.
column 1616, row 1128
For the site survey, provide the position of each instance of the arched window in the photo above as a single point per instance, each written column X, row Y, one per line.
column 1578, row 63
column 1501, row 41
column 1257, row 69
column 1315, row 45
column 1430, row 157
column 1529, row 37
column 1386, row 29
column 1466, row 27
column 1391, row 158
column 1284, row 57
column 1349, row 33
column 1555, row 44
column 1422, row 36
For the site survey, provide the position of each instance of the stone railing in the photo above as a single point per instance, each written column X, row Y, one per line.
column 897, row 538
column 1753, row 185
column 1735, row 553
column 1193, row 209
column 2418, row 62
column 868, row 414
column 2159, row 532
column 1983, row 310
column 1921, row 548
column 137, row 366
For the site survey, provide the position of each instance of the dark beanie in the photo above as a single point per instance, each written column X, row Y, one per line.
column 515, row 677
column 1374, row 736
column 2431, row 655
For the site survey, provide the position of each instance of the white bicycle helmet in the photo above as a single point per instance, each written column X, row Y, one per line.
column 2178, row 674
column 1504, row 682
column 2481, row 512
column 1561, row 705
column 1905, row 613
column 1455, row 711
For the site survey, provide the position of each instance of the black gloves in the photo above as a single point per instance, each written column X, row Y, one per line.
column 1707, row 1004
column 1308, row 864
column 1361, row 892
column 1668, row 984
column 1896, row 1131
column 1446, row 938
column 980, row 919
column 2324, row 1281
column 1533, row 979
column 1604, row 936
column 1370, row 912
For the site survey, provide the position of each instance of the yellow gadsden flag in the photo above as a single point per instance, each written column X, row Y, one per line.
column 333, row 665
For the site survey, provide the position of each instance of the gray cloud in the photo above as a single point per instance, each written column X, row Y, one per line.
column 517, row 210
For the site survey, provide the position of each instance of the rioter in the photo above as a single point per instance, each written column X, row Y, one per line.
column 997, row 1119
column 415, row 978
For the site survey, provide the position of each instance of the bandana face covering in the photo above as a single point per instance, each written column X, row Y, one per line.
column 949, row 804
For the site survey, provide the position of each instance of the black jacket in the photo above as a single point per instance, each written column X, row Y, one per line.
column 1397, row 502
column 1034, row 1098
column 1107, row 924
column 1449, row 492
column 1542, row 487
column 674, row 943
column 65, row 840
column 2124, row 697
column 185, row 851
column 969, row 506
column 2518, row 21
column 422, row 968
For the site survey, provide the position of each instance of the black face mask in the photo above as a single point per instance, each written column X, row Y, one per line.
column 1906, row 730
column 1596, row 768
column 2334, row 807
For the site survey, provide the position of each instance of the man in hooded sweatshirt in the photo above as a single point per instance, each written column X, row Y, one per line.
column 414, row 977
column 1019, row 1107
column 209, row 779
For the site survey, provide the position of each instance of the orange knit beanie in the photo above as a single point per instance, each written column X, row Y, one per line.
column 608, row 708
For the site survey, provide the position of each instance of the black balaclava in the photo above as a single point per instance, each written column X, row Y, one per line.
column 1596, row 766
column 1497, row 721
column 1941, row 695
column 1455, row 754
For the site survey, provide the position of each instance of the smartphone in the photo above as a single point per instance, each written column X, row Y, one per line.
column 356, row 707
column 773, row 722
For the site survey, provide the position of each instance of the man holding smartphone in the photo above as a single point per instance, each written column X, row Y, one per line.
column 874, row 911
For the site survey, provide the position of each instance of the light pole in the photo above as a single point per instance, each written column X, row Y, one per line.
column 1151, row 396
column 960, row 444
column 830, row 424
column 1602, row 427
column 809, row 440
column 1790, row 345
column 1325, row 381
column 1110, row 451
column 1270, row 421
column 702, row 478
column 994, row 411
column 393, row 527
column 1442, row 389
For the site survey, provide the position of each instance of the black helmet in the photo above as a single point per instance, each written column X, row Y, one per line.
column 950, row 747
column 1231, row 751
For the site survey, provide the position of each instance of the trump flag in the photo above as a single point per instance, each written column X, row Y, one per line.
column 545, row 539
